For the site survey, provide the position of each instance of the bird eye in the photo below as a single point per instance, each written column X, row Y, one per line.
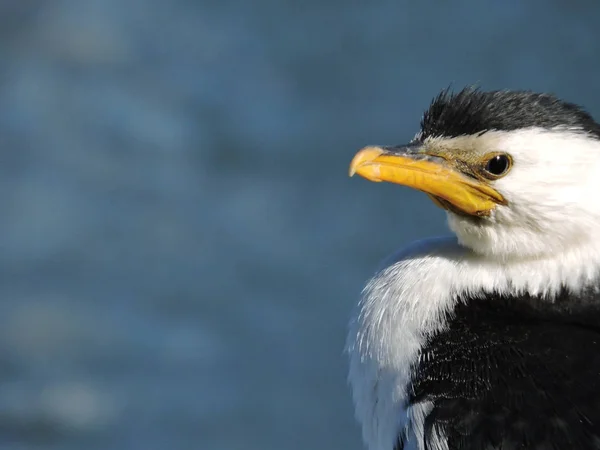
column 498, row 165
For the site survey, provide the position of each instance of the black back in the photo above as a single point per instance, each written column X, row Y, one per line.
column 514, row 373
column 472, row 111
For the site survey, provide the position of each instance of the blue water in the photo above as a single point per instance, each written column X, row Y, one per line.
column 180, row 245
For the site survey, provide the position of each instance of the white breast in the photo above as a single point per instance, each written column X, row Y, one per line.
column 400, row 305
column 408, row 300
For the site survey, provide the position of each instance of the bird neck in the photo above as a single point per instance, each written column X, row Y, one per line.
column 574, row 268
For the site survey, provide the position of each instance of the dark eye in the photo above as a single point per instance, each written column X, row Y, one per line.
column 498, row 165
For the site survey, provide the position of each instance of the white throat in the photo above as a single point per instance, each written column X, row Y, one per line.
column 408, row 300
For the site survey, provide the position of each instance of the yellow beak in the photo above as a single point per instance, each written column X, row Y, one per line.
column 410, row 166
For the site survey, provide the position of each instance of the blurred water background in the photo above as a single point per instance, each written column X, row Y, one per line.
column 180, row 245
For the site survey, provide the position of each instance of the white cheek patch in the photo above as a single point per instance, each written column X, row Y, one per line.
column 551, row 192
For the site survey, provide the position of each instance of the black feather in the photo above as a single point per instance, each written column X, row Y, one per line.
column 515, row 373
column 473, row 111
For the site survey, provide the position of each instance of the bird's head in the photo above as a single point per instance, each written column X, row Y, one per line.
column 517, row 172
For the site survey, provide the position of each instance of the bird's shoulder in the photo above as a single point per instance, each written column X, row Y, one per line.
column 509, row 372
column 446, row 246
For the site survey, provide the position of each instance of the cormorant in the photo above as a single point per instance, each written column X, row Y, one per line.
column 488, row 339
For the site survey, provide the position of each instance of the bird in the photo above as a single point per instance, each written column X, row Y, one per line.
column 488, row 338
